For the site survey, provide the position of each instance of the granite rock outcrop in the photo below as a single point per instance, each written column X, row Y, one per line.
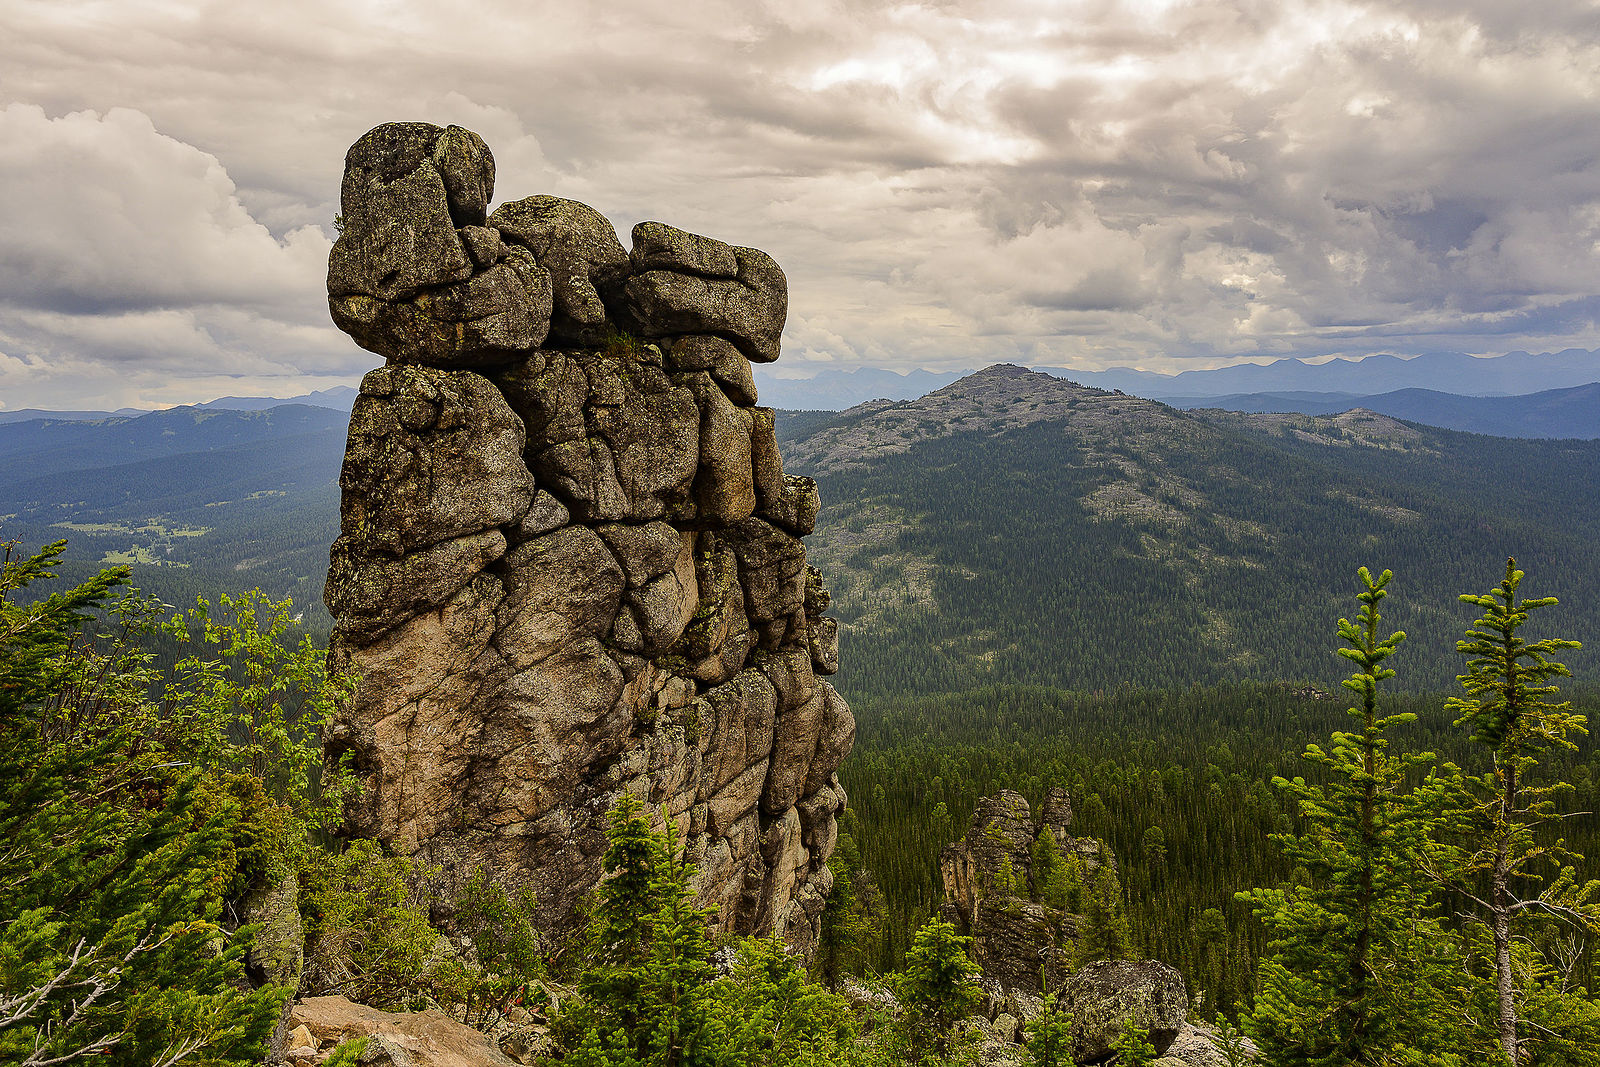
column 570, row 562
column 992, row 895
column 1023, row 942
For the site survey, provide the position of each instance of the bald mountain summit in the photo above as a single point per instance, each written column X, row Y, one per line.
column 1016, row 528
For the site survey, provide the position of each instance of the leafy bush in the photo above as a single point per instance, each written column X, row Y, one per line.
column 367, row 937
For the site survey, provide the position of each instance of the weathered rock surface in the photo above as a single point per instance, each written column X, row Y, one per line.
column 1104, row 995
column 1198, row 1045
column 395, row 1039
column 415, row 276
column 572, row 569
column 687, row 284
column 580, row 250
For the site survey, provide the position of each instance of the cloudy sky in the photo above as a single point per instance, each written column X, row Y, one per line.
column 1147, row 183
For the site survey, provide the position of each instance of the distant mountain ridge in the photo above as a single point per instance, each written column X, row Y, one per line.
column 1511, row 374
column 41, row 448
column 339, row 398
column 1015, row 528
column 1564, row 413
column 836, row 390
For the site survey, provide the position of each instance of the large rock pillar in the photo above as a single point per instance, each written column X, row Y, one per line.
column 569, row 562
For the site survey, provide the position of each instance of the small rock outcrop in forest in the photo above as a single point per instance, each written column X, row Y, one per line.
column 994, row 895
column 1018, row 886
column 570, row 560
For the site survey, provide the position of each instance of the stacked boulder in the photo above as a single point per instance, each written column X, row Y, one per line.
column 570, row 562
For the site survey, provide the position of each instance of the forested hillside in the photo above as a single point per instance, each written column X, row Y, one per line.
column 1178, row 783
column 197, row 500
column 1014, row 529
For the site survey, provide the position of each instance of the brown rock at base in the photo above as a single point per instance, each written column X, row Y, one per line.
column 425, row 1038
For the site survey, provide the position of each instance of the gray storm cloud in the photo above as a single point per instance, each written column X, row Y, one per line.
column 1155, row 184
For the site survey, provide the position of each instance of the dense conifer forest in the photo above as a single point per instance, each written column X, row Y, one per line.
column 973, row 560
column 1196, row 765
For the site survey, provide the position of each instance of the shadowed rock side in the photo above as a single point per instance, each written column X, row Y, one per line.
column 570, row 560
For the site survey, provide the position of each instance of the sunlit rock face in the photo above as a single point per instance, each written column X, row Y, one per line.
column 570, row 562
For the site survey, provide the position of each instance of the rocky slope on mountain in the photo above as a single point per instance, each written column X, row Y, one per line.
column 996, row 399
column 570, row 561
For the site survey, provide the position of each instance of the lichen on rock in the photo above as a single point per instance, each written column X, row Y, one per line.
column 569, row 563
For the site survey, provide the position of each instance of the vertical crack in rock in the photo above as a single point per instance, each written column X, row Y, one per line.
column 569, row 562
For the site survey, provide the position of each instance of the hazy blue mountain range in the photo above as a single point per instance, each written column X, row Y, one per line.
column 835, row 390
column 1573, row 412
column 30, row 414
column 339, row 398
column 1514, row 374
column 47, row 447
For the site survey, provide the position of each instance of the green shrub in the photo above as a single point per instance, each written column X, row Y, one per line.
column 367, row 937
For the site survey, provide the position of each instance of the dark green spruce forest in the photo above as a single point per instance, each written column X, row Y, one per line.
column 1137, row 604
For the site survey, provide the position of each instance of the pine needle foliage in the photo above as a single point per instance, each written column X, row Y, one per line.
column 1504, row 862
column 1342, row 982
column 937, row 989
column 1133, row 1046
column 1105, row 934
column 1048, row 1037
column 113, row 861
column 646, row 995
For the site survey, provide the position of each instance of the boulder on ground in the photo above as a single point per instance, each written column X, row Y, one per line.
column 410, row 1039
column 1104, row 995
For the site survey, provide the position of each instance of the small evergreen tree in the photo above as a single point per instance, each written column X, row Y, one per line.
column 646, row 995
column 1508, row 873
column 1051, row 886
column 1005, row 879
column 852, row 918
column 1231, row 1044
column 937, row 990
column 1105, row 934
column 1344, row 981
column 769, row 1013
column 1048, row 1038
column 1133, row 1046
